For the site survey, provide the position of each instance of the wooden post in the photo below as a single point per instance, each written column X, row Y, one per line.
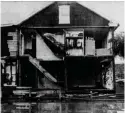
column 22, row 44
column 65, row 71
column 18, row 58
column 65, row 75
column 36, row 79
column 30, row 108
column 66, row 107
column 29, row 92
column 16, row 72
column 65, row 43
column 60, row 107
column 60, row 94
column 11, row 70
column 83, row 43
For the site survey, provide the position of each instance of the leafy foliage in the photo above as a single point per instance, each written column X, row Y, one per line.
column 118, row 44
column 119, row 71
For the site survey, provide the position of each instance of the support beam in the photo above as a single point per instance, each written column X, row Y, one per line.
column 41, row 69
column 65, row 71
column 71, row 27
column 18, row 60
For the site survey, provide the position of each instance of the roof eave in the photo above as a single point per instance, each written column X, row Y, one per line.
column 114, row 25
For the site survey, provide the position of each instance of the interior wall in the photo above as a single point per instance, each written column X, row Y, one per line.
column 43, row 52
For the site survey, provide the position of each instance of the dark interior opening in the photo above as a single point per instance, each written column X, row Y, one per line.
column 82, row 72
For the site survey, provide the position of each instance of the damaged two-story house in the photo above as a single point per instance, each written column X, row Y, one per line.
column 65, row 46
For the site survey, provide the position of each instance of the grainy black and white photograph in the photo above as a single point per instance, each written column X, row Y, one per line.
column 62, row 57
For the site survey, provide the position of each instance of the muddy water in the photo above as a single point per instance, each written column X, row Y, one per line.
column 64, row 107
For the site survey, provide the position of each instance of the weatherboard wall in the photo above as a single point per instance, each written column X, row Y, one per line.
column 79, row 16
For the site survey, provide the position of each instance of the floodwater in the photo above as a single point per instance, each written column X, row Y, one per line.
column 103, row 106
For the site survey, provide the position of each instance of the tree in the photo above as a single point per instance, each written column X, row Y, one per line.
column 118, row 44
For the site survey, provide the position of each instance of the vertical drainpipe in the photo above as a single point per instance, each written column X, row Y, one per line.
column 113, row 61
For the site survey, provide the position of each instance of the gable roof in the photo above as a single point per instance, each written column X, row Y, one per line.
column 38, row 6
column 80, row 16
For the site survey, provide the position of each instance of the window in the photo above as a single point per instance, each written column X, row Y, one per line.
column 64, row 14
